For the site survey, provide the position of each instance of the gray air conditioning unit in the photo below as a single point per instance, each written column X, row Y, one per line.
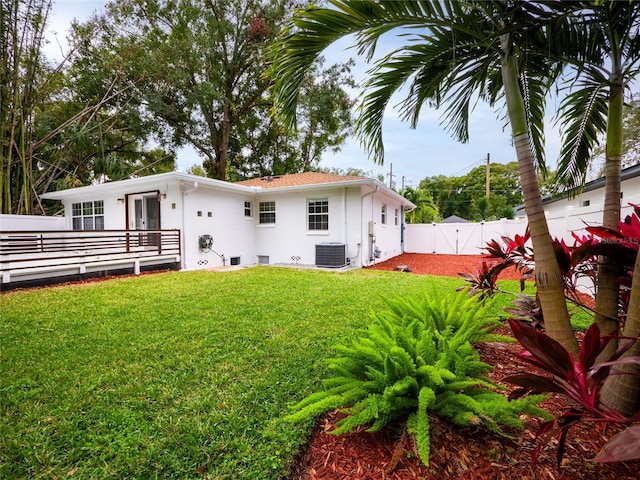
column 331, row 254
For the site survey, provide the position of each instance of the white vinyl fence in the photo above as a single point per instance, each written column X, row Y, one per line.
column 31, row 223
column 458, row 238
column 471, row 238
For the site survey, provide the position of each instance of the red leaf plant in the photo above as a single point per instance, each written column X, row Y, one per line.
column 579, row 381
column 576, row 262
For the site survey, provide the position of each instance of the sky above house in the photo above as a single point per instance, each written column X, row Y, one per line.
column 411, row 154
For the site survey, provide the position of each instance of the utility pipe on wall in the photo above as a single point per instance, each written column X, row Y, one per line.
column 362, row 197
column 184, row 193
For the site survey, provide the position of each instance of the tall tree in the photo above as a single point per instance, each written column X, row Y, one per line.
column 25, row 82
column 463, row 50
column 324, row 112
column 602, row 41
column 196, row 67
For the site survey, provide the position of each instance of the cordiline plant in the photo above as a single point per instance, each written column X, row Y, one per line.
column 417, row 358
column 500, row 256
column 579, row 381
column 577, row 262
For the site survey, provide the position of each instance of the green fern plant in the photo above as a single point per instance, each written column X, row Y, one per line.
column 417, row 358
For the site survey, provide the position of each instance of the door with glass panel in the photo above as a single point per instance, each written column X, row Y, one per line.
column 144, row 214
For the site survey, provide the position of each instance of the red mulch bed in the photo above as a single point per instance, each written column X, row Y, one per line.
column 459, row 453
column 442, row 265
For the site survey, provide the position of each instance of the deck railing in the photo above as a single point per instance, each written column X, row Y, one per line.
column 39, row 254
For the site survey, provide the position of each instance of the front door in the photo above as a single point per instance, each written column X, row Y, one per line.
column 144, row 214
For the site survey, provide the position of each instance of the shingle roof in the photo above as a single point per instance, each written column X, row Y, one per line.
column 454, row 219
column 297, row 179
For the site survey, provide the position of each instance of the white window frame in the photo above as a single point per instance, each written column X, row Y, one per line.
column 396, row 217
column 383, row 214
column 318, row 214
column 267, row 213
column 87, row 215
column 248, row 209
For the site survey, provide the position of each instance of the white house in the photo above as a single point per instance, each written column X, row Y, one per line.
column 592, row 193
column 307, row 218
column 567, row 215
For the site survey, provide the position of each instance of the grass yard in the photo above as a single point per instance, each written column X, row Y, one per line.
column 175, row 375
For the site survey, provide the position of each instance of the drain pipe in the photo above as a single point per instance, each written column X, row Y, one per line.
column 185, row 192
column 362, row 197
column 346, row 221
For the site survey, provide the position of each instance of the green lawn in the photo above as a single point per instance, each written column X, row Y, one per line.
column 161, row 375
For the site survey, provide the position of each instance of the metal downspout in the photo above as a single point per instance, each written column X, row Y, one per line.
column 362, row 197
column 184, row 236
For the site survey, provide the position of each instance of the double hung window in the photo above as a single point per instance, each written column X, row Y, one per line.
column 267, row 211
column 88, row 215
column 318, row 214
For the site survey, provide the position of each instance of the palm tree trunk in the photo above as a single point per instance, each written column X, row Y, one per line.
column 608, row 273
column 547, row 272
column 622, row 392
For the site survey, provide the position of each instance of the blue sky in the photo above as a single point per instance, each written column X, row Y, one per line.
column 414, row 154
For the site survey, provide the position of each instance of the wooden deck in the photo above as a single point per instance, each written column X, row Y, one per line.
column 37, row 258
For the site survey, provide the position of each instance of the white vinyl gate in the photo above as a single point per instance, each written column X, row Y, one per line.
column 458, row 238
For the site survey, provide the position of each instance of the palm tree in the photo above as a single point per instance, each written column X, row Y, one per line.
column 461, row 51
column 602, row 45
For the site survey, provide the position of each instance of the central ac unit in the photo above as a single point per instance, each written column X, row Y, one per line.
column 331, row 254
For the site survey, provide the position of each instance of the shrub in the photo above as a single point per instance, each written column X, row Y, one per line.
column 577, row 380
column 416, row 359
column 577, row 262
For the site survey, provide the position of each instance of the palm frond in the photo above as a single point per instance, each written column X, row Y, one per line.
column 534, row 93
column 583, row 117
column 313, row 29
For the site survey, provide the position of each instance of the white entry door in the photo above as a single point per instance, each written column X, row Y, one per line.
column 144, row 214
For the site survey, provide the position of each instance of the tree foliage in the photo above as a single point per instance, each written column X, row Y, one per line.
column 193, row 68
column 453, row 53
column 195, row 71
column 325, row 117
column 26, row 84
column 64, row 125
column 464, row 195
column 426, row 210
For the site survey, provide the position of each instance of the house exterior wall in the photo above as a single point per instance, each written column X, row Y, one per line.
column 198, row 207
column 209, row 211
column 289, row 239
column 630, row 189
column 180, row 203
column 382, row 238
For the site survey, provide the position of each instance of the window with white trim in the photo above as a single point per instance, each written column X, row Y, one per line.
column 267, row 211
column 88, row 215
column 318, row 214
column 383, row 214
column 396, row 218
column 248, row 209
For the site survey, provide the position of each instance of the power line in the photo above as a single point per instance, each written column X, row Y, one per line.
column 477, row 162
